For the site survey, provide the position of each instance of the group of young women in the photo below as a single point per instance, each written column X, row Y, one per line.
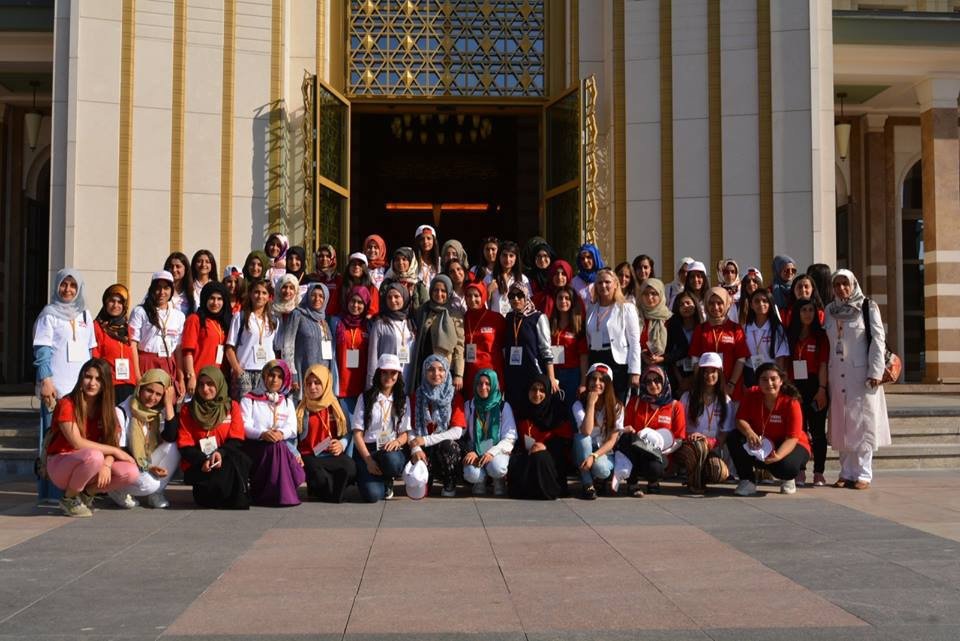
column 511, row 375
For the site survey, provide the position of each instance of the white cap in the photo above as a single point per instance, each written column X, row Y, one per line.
column 415, row 477
column 357, row 256
column 711, row 359
column 755, row 271
column 697, row 266
column 232, row 270
column 162, row 275
column 686, row 261
column 425, row 228
column 603, row 368
column 389, row 362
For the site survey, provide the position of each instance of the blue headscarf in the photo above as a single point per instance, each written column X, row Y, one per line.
column 308, row 311
column 665, row 397
column 439, row 397
column 781, row 288
column 598, row 264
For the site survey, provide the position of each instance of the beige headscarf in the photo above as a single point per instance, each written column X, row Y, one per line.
column 328, row 400
column 142, row 445
column 658, row 315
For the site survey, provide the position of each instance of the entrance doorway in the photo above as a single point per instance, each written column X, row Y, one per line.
column 911, row 230
column 469, row 174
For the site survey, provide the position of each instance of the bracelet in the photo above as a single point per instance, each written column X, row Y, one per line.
column 594, row 455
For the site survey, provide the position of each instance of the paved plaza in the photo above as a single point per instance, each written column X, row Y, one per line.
column 822, row 565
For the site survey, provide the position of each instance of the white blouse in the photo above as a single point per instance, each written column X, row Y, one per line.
column 260, row 416
column 150, row 337
column 381, row 419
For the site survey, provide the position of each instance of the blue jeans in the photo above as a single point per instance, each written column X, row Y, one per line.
column 46, row 490
column 391, row 464
column 584, row 446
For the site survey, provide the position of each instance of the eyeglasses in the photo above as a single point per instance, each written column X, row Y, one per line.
column 648, row 381
column 515, row 295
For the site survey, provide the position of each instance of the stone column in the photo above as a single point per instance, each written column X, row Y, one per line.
column 874, row 278
column 941, row 232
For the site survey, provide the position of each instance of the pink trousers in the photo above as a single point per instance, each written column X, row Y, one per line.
column 73, row 471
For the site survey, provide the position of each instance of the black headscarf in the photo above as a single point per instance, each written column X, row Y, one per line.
column 548, row 415
column 300, row 252
column 539, row 278
column 224, row 317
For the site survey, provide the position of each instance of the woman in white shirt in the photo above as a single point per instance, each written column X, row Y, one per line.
column 270, row 419
column 766, row 339
column 598, row 416
column 250, row 340
column 381, row 426
column 491, row 434
column 507, row 271
column 613, row 333
column 156, row 327
column 711, row 415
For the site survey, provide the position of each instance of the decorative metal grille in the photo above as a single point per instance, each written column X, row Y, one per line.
column 462, row 48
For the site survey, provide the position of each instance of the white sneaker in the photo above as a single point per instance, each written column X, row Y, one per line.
column 499, row 487
column 788, row 487
column 480, row 488
column 388, row 491
column 746, row 488
column 123, row 499
column 157, row 500
column 74, row 507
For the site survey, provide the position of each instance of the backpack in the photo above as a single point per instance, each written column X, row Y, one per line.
column 892, row 364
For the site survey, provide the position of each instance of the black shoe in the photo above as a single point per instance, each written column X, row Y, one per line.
column 653, row 488
column 588, row 493
column 449, row 489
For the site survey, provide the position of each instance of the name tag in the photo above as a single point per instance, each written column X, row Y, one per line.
column 776, row 418
column 321, row 447
column 384, row 437
column 122, row 368
column 353, row 358
column 208, row 445
column 688, row 363
column 757, row 360
column 403, row 354
column 529, row 441
column 664, row 419
column 326, row 350
column 260, row 355
column 470, row 352
column 77, row 353
column 559, row 354
column 800, row 370
column 219, row 359
column 516, row 355
column 727, row 339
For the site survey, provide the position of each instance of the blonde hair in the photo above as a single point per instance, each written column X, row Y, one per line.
column 618, row 296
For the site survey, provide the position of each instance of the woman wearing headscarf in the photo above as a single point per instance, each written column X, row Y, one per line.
column 654, row 314
column 440, row 331
column 375, row 249
column 858, row 406
column 205, row 333
column 323, row 440
column 270, row 419
column 351, row 335
column 148, row 424
column 560, row 274
column 491, row 433
column 357, row 275
column 539, row 463
column 307, row 338
column 286, row 299
column 326, row 273
column 589, row 262
column 256, row 267
column 113, row 339
column 210, row 440
column 676, row 285
column 393, row 332
column 453, row 250
column 276, row 250
column 483, row 334
column 297, row 266
column 784, row 270
column 526, row 347
column 721, row 335
column 405, row 269
column 680, row 330
column 537, row 256
column 728, row 277
column 437, row 424
column 654, row 409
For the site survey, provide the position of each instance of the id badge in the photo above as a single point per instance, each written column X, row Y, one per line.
column 260, row 355
column 353, row 358
column 219, row 359
column 326, row 350
column 687, row 363
column 838, row 350
column 122, row 368
column 77, row 353
column 800, row 370
column 403, row 354
column 167, row 346
column 559, row 354
column 485, row 445
column 470, row 352
column 383, row 437
column 516, row 355
column 529, row 441
column 596, row 344
column 208, row 445
column 756, row 361
column 321, row 447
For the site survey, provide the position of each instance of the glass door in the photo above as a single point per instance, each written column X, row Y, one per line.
column 331, row 220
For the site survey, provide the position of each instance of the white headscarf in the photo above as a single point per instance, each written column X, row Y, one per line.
column 851, row 307
column 59, row 308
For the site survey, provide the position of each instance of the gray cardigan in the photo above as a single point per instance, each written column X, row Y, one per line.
column 301, row 346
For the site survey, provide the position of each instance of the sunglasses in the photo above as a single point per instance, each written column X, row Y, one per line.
column 648, row 381
column 515, row 295
column 790, row 270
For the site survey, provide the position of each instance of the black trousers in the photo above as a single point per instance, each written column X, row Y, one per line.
column 443, row 459
column 328, row 476
column 784, row 469
column 645, row 464
column 815, row 421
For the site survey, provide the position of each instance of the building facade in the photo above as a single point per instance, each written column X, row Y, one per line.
column 666, row 127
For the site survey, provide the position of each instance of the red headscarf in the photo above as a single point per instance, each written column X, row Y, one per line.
column 380, row 261
column 474, row 315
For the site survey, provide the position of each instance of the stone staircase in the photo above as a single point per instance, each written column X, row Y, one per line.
column 19, row 436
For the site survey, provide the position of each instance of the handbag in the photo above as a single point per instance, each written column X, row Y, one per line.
column 892, row 364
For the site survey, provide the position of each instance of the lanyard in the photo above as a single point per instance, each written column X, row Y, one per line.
column 765, row 421
column 602, row 316
column 324, row 417
column 386, row 407
column 716, row 338
column 163, row 327
column 73, row 329
column 757, row 342
column 647, row 421
column 516, row 329
column 711, row 413
column 470, row 329
column 260, row 326
column 355, row 338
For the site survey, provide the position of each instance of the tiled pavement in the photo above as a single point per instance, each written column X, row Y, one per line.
column 825, row 564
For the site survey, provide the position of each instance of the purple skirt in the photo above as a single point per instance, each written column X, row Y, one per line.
column 275, row 474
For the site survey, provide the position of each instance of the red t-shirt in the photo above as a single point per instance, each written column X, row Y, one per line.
column 320, row 425
column 640, row 414
column 65, row 412
column 487, row 334
column 351, row 379
column 787, row 314
column 457, row 416
column 191, row 432
column 110, row 349
column 814, row 350
column 785, row 421
column 526, row 427
column 574, row 346
column 727, row 339
column 203, row 343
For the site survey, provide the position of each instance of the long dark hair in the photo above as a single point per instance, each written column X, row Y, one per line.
column 186, row 283
column 777, row 335
column 480, row 267
column 194, row 274
column 702, row 294
column 816, row 300
column 788, row 388
column 247, row 307
column 225, row 315
column 431, row 257
column 576, row 311
column 820, row 273
column 639, row 261
column 516, row 272
column 370, row 397
column 349, row 282
column 633, row 288
column 698, row 314
column 796, row 325
column 150, row 302
column 695, row 400
column 104, row 404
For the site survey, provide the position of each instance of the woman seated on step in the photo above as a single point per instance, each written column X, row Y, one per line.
column 491, row 433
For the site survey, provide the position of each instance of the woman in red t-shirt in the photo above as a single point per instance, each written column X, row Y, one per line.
column 323, row 440
column 568, row 340
column 770, row 424
column 113, row 340
column 205, row 333
column 351, row 333
column 83, row 457
column 810, row 356
column 210, row 439
column 721, row 335
column 483, row 331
